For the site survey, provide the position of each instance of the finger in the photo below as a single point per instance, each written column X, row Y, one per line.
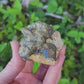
column 27, row 78
column 41, row 71
column 14, row 66
column 53, row 71
column 58, row 77
column 28, row 67
column 61, row 53
column 52, row 74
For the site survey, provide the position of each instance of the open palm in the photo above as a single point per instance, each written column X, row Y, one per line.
column 20, row 72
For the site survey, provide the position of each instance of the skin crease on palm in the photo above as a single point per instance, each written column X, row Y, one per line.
column 18, row 71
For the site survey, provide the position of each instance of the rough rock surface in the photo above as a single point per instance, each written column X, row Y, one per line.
column 40, row 43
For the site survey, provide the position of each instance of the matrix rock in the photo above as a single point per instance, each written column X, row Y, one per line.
column 40, row 43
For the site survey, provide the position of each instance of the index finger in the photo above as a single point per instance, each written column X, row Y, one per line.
column 14, row 67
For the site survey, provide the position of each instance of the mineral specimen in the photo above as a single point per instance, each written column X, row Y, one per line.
column 40, row 43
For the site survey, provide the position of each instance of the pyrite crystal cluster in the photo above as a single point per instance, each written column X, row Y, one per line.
column 40, row 43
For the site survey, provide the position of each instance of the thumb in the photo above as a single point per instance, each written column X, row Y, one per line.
column 13, row 68
column 55, row 70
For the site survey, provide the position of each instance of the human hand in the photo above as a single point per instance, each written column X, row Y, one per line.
column 20, row 72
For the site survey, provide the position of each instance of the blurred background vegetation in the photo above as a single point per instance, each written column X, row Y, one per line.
column 66, row 16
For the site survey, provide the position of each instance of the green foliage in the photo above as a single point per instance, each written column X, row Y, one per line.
column 74, row 81
column 54, row 8
column 18, row 25
column 36, row 3
column 2, row 46
column 59, row 10
column 14, row 25
column 33, row 18
column 81, row 49
column 3, row 33
column 55, row 27
column 81, row 76
column 76, row 35
column 69, row 66
column 64, row 81
column 1, row 68
column 35, row 67
column 67, row 81
column 11, row 13
column 5, row 54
